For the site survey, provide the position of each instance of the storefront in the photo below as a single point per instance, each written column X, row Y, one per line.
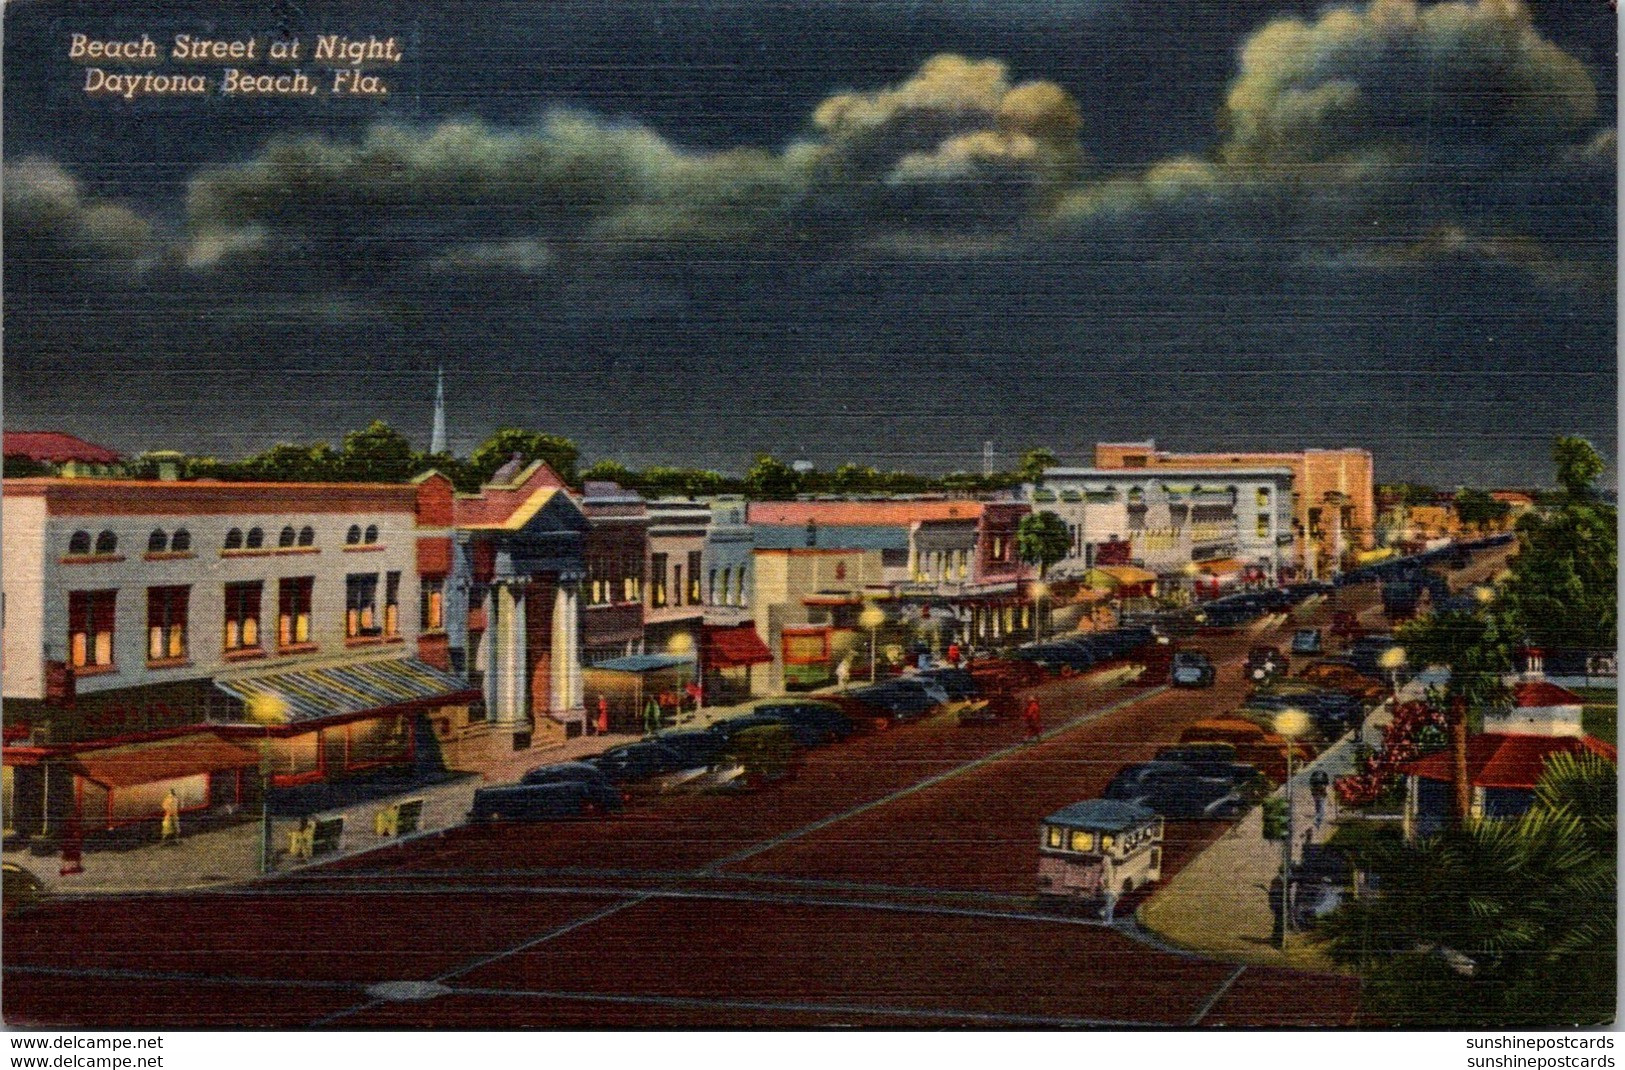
column 628, row 683
column 726, row 657
column 116, row 786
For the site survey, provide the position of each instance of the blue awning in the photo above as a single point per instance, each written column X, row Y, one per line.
column 302, row 696
column 646, row 662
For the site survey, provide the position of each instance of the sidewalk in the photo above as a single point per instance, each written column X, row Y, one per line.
column 1219, row 903
column 232, row 855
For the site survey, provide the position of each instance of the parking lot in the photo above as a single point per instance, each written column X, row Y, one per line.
column 891, row 883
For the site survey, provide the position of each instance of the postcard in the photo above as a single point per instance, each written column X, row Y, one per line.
column 859, row 514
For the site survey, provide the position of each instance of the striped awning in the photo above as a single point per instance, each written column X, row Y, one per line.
column 303, row 696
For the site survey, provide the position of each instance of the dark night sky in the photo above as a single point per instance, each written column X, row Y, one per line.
column 683, row 232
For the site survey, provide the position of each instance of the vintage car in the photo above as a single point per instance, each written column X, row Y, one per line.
column 1192, row 668
column 1253, row 744
column 541, row 802
column 1098, row 850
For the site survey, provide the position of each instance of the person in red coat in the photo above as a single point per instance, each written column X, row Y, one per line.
column 1031, row 718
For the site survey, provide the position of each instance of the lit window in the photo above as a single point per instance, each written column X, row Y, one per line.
column 353, row 536
column 372, row 534
column 79, row 542
column 1054, row 835
column 157, row 542
column 255, row 539
column 694, row 594
column 166, row 622
column 242, row 616
column 1106, row 841
column 392, row 603
column 181, row 541
column 285, row 539
column 307, row 536
column 293, row 599
column 361, row 605
column 107, row 543
column 740, row 598
column 657, row 580
column 90, row 627
column 234, row 539
column 432, row 603
column 1263, row 497
column 1083, row 841
column 1263, row 525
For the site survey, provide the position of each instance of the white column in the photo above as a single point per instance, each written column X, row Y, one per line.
column 578, row 699
column 507, row 635
column 559, row 656
column 488, row 655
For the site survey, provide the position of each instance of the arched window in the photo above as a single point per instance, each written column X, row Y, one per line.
column 107, row 543
column 307, row 536
column 234, row 539
column 256, row 539
column 352, row 536
column 372, row 533
column 181, row 541
column 157, row 542
column 285, row 539
column 79, row 542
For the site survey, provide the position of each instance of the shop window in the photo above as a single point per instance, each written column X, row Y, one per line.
column 107, row 543
column 361, row 605
column 166, row 622
column 181, row 541
column 383, row 739
column 139, row 801
column 296, row 755
column 90, row 627
column 234, row 539
column 242, row 616
column 392, row 603
column 307, row 536
column 79, row 542
column 353, row 536
column 432, row 603
column 293, row 599
column 157, row 542
column 254, row 539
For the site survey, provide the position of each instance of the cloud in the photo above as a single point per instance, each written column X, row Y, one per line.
column 53, row 227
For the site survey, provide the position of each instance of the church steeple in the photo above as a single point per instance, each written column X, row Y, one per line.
column 437, row 437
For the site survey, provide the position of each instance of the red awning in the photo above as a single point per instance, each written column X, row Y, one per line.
column 734, row 647
column 144, row 763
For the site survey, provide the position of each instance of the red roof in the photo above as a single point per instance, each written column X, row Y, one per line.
column 1539, row 693
column 863, row 514
column 1499, row 760
column 55, row 447
column 734, row 647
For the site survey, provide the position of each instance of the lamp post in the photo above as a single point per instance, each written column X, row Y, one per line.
column 1040, row 591
column 267, row 710
column 1391, row 661
column 872, row 618
column 681, row 645
column 1289, row 725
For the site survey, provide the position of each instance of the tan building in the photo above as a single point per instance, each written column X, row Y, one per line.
column 1334, row 512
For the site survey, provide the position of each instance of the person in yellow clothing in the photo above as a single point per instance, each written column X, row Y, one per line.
column 171, row 832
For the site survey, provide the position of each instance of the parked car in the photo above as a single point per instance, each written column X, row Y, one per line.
column 822, row 718
column 1254, row 744
column 756, row 757
column 958, row 684
column 1172, row 790
column 1192, row 668
column 1215, row 760
column 1366, row 653
column 1336, row 676
column 541, row 802
column 1306, row 641
column 1061, row 656
column 694, row 746
column 803, row 734
column 889, row 703
column 21, row 891
column 1264, row 663
column 638, row 761
column 563, row 772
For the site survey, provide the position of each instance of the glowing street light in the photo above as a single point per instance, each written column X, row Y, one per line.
column 1392, row 660
column 872, row 618
column 267, row 709
column 681, row 645
column 1040, row 591
column 1290, row 723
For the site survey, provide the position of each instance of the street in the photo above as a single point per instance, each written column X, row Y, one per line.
column 890, row 884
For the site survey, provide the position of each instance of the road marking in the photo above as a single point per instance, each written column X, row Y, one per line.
column 112, row 974
column 929, row 782
column 1218, row 994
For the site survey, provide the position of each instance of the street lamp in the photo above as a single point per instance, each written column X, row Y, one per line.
column 872, row 618
column 681, row 645
column 1391, row 661
column 267, row 709
column 1289, row 725
column 1040, row 591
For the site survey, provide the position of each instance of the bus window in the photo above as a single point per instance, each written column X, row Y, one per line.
column 1054, row 836
column 1083, row 841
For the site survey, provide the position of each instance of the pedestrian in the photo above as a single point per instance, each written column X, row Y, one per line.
column 1319, row 782
column 953, row 654
column 1031, row 718
column 651, row 716
column 1277, row 909
column 843, row 672
column 603, row 716
column 170, row 833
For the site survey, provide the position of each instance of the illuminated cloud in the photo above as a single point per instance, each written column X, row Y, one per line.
column 53, row 227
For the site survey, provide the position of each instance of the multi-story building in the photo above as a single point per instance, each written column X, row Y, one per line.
column 674, row 602
column 732, row 647
column 617, row 549
column 1187, row 526
column 1334, row 513
column 165, row 635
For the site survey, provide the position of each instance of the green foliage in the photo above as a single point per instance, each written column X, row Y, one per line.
column 1042, row 540
column 1562, row 588
column 1578, row 466
column 1033, row 463
column 770, row 479
column 26, row 467
column 376, row 454
column 1477, row 508
column 1478, row 647
column 1506, row 923
column 560, row 453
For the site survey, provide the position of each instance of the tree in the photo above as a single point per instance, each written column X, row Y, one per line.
column 770, row 479
column 287, row 463
column 1478, row 509
column 1578, row 466
column 1042, row 540
column 560, row 453
column 376, row 454
column 1034, row 462
column 610, row 472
